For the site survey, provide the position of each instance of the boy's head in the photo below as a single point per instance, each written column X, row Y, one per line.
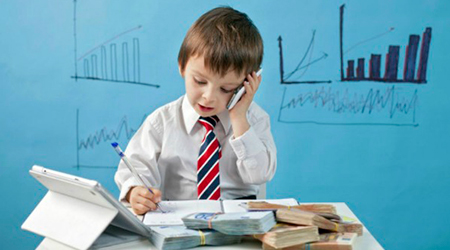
column 219, row 50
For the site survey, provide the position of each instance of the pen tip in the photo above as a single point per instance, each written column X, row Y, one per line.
column 115, row 144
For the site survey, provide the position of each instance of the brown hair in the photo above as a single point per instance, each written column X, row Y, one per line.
column 227, row 39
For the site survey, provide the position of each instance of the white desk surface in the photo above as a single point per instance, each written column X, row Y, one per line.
column 364, row 242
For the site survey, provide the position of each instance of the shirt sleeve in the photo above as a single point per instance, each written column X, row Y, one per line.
column 143, row 151
column 256, row 152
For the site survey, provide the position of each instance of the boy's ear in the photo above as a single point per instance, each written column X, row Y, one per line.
column 179, row 70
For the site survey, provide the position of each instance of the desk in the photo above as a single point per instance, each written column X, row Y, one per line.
column 364, row 242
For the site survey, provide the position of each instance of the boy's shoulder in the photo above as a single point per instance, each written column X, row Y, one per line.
column 256, row 113
column 170, row 108
column 166, row 113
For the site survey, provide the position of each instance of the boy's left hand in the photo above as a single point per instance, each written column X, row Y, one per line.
column 238, row 114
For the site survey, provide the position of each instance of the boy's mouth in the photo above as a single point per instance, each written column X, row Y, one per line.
column 204, row 109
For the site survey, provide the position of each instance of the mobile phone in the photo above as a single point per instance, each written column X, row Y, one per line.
column 238, row 93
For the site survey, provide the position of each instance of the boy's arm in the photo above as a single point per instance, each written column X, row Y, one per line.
column 256, row 151
column 143, row 151
column 253, row 142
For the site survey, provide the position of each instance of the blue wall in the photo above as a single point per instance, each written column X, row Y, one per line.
column 381, row 147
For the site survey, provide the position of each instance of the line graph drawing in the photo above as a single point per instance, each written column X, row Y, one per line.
column 387, row 105
column 101, row 62
column 391, row 59
column 101, row 136
column 352, row 47
column 302, row 67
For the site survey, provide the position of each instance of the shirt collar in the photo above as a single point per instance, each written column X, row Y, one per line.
column 190, row 117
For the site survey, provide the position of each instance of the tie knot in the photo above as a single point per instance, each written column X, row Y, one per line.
column 209, row 122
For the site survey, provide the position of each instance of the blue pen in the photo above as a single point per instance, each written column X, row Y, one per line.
column 131, row 168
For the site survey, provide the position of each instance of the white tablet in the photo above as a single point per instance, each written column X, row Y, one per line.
column 90, row 191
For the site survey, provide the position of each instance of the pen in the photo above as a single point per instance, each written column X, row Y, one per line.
column 131, row 168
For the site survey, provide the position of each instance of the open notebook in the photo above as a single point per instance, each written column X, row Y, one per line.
column 175, row 210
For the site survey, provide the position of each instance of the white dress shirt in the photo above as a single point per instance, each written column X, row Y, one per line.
column 165, row 150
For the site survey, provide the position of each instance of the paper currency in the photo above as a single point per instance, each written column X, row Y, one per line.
column 285, row 235
column 232, row 223
column 330, row 241
column 350, row 228
column 300, row 217
column 180, row 237
column 317, row 208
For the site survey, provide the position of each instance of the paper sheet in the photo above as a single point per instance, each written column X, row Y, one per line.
column 175, row 210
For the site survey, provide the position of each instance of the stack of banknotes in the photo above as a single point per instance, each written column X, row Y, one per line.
column 265, row 206
column 300, row 217
column 180, row 237
column 285, row 235
column 313, row 227
column 328, row 241
column 232, row 223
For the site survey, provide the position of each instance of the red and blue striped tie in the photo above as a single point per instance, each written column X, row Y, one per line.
column 208, row 179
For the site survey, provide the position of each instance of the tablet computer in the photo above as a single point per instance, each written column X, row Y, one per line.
column 90, row 191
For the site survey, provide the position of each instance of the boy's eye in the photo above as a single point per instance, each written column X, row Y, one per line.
column 199, row 81
column 226, row 90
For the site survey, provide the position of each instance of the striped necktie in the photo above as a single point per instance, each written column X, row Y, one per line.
column 208, row 179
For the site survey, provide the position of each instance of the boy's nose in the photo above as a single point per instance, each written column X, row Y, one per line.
column 209, row 96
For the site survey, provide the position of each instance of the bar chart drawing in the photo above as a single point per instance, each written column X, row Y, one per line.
column 391, row 70
column 302, row 65
column 110, row 61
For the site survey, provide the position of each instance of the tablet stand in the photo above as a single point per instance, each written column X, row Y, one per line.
column 69, row 221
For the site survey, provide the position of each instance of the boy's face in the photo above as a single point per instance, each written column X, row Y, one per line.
column 208, row 92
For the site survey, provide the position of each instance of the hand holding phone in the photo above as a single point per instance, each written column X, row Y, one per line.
column 238, row 93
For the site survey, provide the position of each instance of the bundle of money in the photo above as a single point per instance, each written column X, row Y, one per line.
column 330, row 241
column 285, row 235
column 232, row 223
column 350, row 228
column 180, row 237
column 300, row 217
column 317, row 208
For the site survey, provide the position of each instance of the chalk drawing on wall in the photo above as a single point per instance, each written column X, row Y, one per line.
column 391, row 60
column 350, row 104
column 295, row 76
column 99, row 142
column 392, row 106
column 110, row 60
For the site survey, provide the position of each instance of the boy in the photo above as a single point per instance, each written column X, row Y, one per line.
column 194, row 148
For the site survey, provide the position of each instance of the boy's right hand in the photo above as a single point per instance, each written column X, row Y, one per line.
column 142, row 200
